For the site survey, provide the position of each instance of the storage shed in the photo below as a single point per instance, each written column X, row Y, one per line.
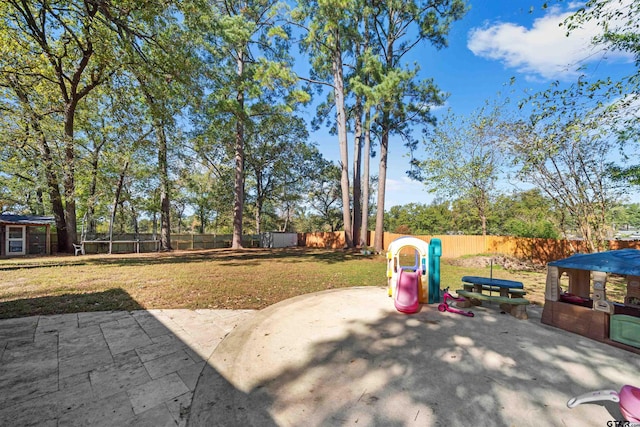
column 583, row 308
column 278, row 240
column 25, row 235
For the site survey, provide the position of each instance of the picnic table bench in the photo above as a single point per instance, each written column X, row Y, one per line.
column 510, row 294
column 502, row 291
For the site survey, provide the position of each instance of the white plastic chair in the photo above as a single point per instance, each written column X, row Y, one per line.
column 79, row 249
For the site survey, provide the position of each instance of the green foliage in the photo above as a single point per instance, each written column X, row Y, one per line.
column 464, row 159
column 524, row 214
column 55, row 58
column 626, row 217
column 148, row 65
column 563, row 148
column 628, row 174
column 249, row 78
column 618, row 99
column 464, row 218
column 195, row 70
column 209, row 193
column 435, row 218
column 371, row 41
column 278, row 161
column 323, row 197
column 633, row 215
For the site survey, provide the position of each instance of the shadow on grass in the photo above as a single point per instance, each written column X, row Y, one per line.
column 110, row 300
column 228, row 257
column 38, row 264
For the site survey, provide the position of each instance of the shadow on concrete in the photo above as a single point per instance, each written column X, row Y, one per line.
column 230, row 406
column 231, row 257
column 318, row 361
column 106, row 368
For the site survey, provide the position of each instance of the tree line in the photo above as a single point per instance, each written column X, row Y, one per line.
column 191, row 105
column 526, row 214
column 186, row 114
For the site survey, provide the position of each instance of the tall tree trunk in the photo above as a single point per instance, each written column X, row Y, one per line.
column 154, row 227
column 382, row 181
column 258, row 215
column 341, row 121
column 202, row 214
column 384, row 145
column 481, row 206
column 54, row 194
column 69, row 183
column 134, row 221
column 287, row 218
column 91, row 223
column 366, row 153
column 238, row 186
column 259, row 201
column 357, row 167
column 165, row 201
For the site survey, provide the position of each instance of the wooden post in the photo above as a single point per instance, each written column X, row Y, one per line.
column 47, row 244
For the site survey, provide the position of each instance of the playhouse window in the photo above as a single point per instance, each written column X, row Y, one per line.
column 616, row 288
column 563, row 282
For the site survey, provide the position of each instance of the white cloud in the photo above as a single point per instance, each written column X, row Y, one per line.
column 542, row 51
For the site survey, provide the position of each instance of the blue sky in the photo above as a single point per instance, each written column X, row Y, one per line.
column 495, row 41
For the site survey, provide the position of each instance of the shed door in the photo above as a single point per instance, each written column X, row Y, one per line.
column 16, row 240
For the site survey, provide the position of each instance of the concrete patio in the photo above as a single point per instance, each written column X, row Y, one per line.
column 343, row 357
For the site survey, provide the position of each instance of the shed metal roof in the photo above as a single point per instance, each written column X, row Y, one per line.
column 26, row 220
column 622, row 261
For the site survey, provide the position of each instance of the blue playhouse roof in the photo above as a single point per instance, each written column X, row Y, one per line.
column 623, row 261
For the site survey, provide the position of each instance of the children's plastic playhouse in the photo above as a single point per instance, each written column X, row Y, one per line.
column 583, row 308
column 417, row 284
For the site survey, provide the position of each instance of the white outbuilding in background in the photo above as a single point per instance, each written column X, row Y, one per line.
column 278, row 240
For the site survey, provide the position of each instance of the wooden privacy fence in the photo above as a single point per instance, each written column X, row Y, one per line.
column 328, row 240
column 536, row 250
column 455, row 246
column 452, row 246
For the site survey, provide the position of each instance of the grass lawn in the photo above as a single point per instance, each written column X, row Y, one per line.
column 211, row 279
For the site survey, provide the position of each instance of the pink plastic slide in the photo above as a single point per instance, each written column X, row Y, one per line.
column 406, row 294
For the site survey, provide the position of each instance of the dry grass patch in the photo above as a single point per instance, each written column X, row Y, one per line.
column 219, row 278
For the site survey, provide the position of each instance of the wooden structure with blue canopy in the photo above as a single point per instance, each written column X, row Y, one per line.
column 583, row 307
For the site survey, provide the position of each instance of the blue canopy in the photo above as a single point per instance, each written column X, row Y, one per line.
column 623, row 261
